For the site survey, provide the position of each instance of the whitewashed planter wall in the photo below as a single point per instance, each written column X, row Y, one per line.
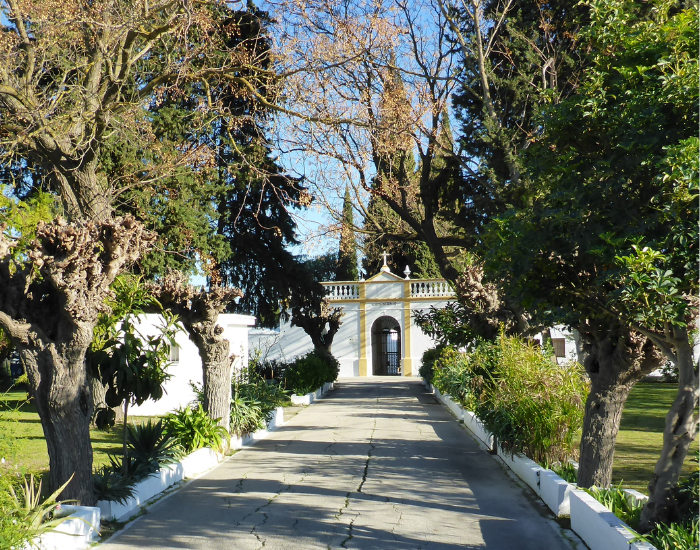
column 275, row 422
column 554, row 491
column 476, row 427
column 526, row 469
column 309, row 398
column 76, row 533
column 599, row 528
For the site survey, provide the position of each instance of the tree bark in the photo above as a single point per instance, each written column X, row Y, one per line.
column 60, row 387
column 679, row 432
column 216, row 371
column 616, row 359
column 601, row 424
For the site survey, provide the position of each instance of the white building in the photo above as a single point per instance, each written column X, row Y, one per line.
column 186, row 366
column 377, row 336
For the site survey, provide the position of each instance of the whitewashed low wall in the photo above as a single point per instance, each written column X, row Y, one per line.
column 275, row 422
column 555, row 491
column 526, row 469
column 76, row 533
column 635, row 498
column 309, row 398
column 599, row 528
column 144, row 491
column 192, row 465
column 476, row 426
column 453, row 407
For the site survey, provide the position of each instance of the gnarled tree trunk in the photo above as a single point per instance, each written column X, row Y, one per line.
column 51, row 318
column 198, row 311
column 616, row 359
column 679, row 432
column 60, row 386
column 216, row 363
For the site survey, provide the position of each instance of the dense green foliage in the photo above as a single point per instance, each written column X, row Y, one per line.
column 13, row 532
column 616, row 168
column 427, row 363
column 253, row 400
column 26, row 514
column 677, row 535
column 309, row 372
column 527, row 401
column 150, row 445
column 194, row 429
column 615, row 500
column 674, row 536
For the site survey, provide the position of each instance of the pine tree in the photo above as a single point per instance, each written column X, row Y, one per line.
column 347, row 269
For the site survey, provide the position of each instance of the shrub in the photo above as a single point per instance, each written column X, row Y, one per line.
column 687, row 498
column 25, row 516
column 194, row 429
column 253, row 400
column 246, row 414
column 529, row 403
column 427, row 363
column 151, row 446
column 309, row 372
column 536, row 406
column 674, row 536
column 14, row 532
column 111, row 484
column 332, row 364
column 684, row 533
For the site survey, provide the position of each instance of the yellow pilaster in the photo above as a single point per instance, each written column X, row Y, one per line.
column 363, row 331
column 407, row 360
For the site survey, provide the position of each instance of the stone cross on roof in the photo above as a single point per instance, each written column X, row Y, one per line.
column 385, row 267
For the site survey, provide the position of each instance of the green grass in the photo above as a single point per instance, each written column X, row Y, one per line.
column 22, row 441
column 641, row 435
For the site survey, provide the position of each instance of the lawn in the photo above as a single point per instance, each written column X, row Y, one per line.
column 22, row 442
column 641, row 435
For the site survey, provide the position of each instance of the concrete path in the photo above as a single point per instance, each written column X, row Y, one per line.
column 378, row 464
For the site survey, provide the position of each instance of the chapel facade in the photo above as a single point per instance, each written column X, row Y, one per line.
column 378, row 336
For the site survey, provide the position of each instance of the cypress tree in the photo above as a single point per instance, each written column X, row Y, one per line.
column 347, row 269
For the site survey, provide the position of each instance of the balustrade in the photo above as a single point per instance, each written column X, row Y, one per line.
column 342, row 291
column 431, row 289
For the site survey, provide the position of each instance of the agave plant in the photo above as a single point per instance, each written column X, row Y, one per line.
column 28, row 508
column 151, row 446
column 110, row 484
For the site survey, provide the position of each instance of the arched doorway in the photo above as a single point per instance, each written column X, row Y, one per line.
column 386, row 347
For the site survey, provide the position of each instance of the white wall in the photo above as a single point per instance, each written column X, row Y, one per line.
column 178, row 392
column 289, row 342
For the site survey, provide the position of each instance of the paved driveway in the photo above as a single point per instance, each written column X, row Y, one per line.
column 378, row 464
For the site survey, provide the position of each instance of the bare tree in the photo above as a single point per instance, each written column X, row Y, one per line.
column 49, row 307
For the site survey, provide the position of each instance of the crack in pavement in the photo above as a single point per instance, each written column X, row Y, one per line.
column 349, row 538
column 369, row 457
